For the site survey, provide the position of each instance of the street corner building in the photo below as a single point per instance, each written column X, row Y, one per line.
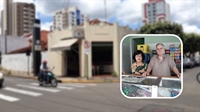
column 66, row 51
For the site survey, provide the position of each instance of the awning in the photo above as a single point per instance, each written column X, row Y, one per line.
column 64, row 45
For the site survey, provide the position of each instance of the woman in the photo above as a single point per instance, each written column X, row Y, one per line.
column 138, row 67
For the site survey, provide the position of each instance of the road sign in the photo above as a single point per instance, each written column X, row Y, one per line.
column 87, row 47
column 87, row 44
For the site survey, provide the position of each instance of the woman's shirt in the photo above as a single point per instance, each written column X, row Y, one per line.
column 138, row 70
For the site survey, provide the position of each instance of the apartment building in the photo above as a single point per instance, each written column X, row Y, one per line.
column 17, row 18
column 23, row 18
column 154, row 11
column 6, row 19
column 68, row 17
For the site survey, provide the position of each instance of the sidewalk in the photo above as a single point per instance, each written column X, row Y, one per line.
column 75, row 80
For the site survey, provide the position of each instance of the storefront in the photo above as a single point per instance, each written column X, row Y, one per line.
column 154, row 85
column 66, row 49
column 148, row 45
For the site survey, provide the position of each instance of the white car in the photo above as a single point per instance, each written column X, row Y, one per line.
column 1, row 80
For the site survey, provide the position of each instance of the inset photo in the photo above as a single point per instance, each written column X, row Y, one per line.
column 151, row 66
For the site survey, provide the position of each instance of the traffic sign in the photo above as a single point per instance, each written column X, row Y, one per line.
column 87, row 47
column 87, row 44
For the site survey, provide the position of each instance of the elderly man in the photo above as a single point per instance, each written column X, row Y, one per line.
column 161, row 64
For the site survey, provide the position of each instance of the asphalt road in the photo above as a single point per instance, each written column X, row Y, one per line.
column 24, row 95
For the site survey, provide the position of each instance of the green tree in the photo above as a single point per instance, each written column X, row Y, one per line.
column 191, row 41
column 191, row 44
column 163, row 28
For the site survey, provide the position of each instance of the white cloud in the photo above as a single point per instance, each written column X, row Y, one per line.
column 25, row 1
column 46, row 25
column 190, row 28
column 184, row 12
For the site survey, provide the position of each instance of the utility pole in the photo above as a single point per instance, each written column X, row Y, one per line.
column 5, row 41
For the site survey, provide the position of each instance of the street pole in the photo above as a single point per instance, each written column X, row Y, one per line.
column 87, row 66
column 5, row 41
column 28, row 65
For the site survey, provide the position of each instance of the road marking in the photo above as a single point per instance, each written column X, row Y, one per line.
column 73, row 85
column 39, row 88
column 60, row 87
column 82, row 84
column 8, row 98
column 30, row 93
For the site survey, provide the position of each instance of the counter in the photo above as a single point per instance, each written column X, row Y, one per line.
column 150, row 86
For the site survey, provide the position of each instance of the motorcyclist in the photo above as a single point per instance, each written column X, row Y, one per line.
column 44, row 70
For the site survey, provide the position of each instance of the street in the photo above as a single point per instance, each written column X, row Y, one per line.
column 24, row 95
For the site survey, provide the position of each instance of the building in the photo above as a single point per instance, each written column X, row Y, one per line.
column 66, row 51
column 68, row 17
column 154, row 11
column 23, row 18
column 19, row 18
column 7, row 16
column 29, row 37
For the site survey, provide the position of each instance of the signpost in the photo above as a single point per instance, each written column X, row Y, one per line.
column 87, row 52
column 28, row 54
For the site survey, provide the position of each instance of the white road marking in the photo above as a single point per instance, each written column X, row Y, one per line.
column 60, row 87
column 30, row 93
column 39, row 88
column 8, row 98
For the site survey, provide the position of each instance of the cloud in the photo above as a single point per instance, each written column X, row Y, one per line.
column 46, row 25
column 128, row 12
column 185, row 12
column 190, row 28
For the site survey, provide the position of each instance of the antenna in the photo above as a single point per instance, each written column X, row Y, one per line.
column 67, row 6
column 105, row 10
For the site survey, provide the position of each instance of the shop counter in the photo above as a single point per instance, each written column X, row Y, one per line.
column 150, row 86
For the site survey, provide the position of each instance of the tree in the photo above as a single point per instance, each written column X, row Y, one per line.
column 191, row 41
column 163, row 28
column 191, row 44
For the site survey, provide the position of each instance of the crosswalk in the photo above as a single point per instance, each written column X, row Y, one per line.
column 21, row 89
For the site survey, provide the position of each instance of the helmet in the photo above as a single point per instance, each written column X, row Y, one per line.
column 45, row 61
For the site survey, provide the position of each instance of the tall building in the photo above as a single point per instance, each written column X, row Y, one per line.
column 154, row 11
column 7, row 17
column 23, row 18
column 17, row 18
column 68, row 17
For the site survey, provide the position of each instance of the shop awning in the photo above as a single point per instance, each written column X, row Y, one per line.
column 64, row 45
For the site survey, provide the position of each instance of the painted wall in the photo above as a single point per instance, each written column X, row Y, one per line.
column 19, row 62
column 55, row 58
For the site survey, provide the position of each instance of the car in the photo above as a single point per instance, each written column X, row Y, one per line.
column 1, row 80
column 196, row 61
column 187, row 62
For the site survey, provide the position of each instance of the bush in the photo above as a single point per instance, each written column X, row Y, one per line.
column 114, row 74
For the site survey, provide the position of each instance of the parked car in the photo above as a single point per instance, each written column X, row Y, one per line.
column 187, row 62
column 1, row 80
column 196, row 61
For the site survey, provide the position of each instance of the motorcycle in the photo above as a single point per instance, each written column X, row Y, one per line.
column 198, row 77
column 51, row 79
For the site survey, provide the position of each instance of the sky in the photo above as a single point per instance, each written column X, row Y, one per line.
column 125, row 12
